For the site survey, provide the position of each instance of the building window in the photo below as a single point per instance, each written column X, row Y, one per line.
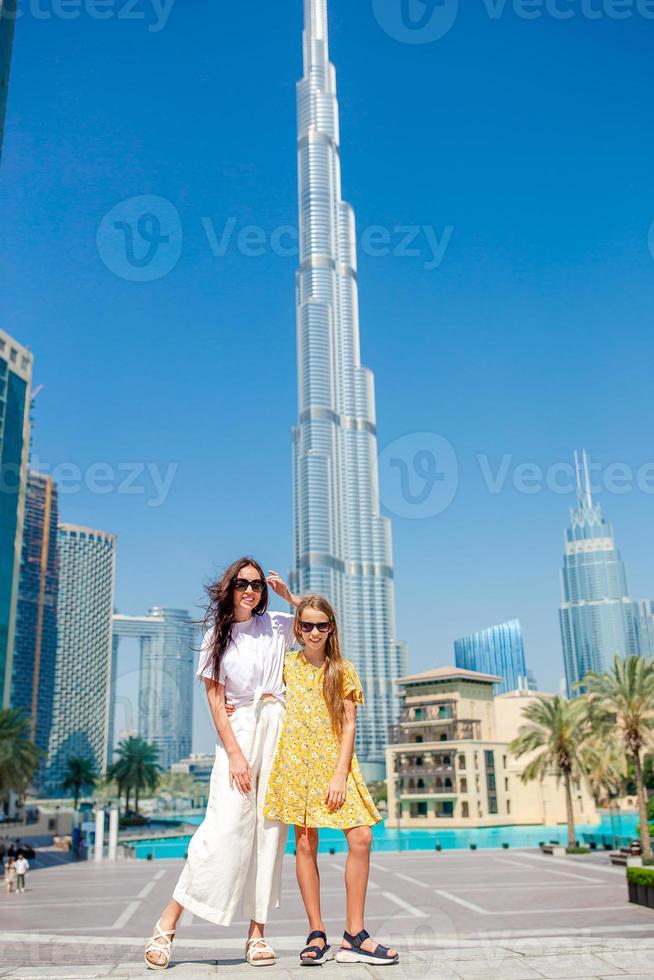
column 491, row 781
column 463, row 784
column 492, row 804
column 418, row 738
column 490, row 759
column 465, row 809
column 508, row 806
column 506, row 783
column 504, row 762
column 462, row 762
column 476, row 760
column 443, row 738
column 418, row 760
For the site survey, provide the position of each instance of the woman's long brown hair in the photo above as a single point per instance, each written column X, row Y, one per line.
column 333, row 676
column 219, row 616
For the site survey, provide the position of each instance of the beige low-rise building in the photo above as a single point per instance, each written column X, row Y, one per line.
column 448, row 762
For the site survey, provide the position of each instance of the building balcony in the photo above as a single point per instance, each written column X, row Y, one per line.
column 427, row 794
column 427, row 733
column 426, row 770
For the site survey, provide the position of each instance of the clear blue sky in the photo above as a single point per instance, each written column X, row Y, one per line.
column 532, row 138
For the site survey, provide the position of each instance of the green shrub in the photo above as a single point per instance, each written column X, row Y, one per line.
column 577, row 850
column 641, row 876
column 648, row 861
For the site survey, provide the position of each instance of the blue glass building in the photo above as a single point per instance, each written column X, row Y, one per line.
column 7, row 21
column 15, row 394
column 598, row 617
column 35, row 646
column 499, row 650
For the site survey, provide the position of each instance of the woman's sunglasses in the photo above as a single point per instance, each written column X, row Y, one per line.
column 322, row 627
column 242, row 585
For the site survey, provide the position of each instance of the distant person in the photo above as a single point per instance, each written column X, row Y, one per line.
column 22, row 867
column 11, row 851
column 316, row 781
column 235, row 856
column 10, row 876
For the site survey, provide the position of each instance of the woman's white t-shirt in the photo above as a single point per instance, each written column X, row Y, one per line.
column 254, row 661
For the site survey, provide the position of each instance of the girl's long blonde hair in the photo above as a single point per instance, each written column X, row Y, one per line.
column 333, row 676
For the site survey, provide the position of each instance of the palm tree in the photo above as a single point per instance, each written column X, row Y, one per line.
column 605, row 766
column 19, row 757
column 623, row 700
column 554, row 737
column 80, row 774
column 135, row 768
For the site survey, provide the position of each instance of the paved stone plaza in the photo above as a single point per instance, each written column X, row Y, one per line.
column 494, row 915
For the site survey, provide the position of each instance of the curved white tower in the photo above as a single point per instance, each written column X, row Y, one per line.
column 342, row 544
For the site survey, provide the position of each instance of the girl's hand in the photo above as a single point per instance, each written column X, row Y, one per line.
column 336, row 793
column 230, row 709
column 278, row 585
column 239, row 773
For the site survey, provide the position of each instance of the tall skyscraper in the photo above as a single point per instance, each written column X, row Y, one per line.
column 342, row 544
column 168, row 641
column 499, row 650
column 15, row 394
column 7, row 22
column 80, row 716
column 598, row 617
column 36, row 620
column 646, row 623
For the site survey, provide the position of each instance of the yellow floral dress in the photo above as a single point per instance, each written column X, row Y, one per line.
column 308, row 753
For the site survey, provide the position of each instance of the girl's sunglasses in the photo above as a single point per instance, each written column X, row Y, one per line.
column 322, row 627
column 242, row 584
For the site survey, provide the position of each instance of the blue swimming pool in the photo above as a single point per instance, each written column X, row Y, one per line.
column 612, row 830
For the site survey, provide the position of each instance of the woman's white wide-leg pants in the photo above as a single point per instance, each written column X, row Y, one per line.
column 236, row 853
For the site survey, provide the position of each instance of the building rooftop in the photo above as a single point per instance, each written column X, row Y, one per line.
column 449, row 674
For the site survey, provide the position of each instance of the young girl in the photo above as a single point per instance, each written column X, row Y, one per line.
column 10, row 876
column 316, row 782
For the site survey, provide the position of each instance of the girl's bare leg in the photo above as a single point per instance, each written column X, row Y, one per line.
column 167, row 922
column 308, row 878
column 357, row 871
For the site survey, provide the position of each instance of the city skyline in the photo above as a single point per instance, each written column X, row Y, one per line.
column 542, row 261
column 343, row 546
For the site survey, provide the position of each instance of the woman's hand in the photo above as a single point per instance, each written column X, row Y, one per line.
column 239, row 773
column 278, row 585
column 336, row 793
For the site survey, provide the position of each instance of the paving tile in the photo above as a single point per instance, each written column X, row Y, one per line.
column 59, row 972
column 581, row 964
column 631, row 961
column 509, row 968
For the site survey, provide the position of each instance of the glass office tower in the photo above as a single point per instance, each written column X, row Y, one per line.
column 80, row 715
column 598, row 617
column 36, row 620
column 168, row 640
column 342, row 544
column 499, row 650
column 7, row 21
column 15, row 394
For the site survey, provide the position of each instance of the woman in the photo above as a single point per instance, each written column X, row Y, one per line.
column 235, row 853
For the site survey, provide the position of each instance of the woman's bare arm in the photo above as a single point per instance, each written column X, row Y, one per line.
column 239, row 769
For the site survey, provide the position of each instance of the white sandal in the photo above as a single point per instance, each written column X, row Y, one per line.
column 156, row 946
column 250, row 952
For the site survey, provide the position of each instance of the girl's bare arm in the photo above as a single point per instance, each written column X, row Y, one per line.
column 338, row 783
column 239, row 769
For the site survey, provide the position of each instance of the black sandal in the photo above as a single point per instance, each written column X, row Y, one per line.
column 380, row 957
column 319, row 958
